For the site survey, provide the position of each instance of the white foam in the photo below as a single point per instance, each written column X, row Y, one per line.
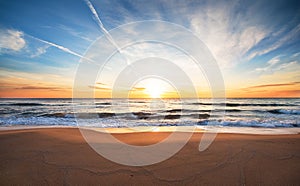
column 288, row 111
column 250, row 130
column 26, row 127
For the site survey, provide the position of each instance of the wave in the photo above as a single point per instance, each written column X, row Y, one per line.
column 169, row 114
column 251, row 123
column 232, row 110
column 203, row 111
column 25, row 104
column 244, row 104
column 104, row 103
column 33, row 104
column 79, row 115
column 127, row 116
column 58, row 115
column 284, row 111
column 142, row 115
column 175, row 110
column 184, row 110
column 138, row 102
column 274, row 111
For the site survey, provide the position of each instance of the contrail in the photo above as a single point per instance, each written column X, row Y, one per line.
column 102, row 28
column 106, row 33
column 60, row 47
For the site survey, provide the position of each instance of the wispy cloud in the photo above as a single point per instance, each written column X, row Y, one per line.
column 274, row 65
column 286, row 65
column 272, row 85
column 275, row 60
column 138, row 88
column 99, row 83
column 75, row 33
column 11, row 40
column 227, row 35
column 103, row 86
column 53, row 88
column 283, row 40
column 22, row 84
column 100, row 86
column 296, row 54
column 39, row 51
column 23, row 79
column 232, row 31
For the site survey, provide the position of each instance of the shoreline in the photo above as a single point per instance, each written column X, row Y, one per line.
column 197, row 129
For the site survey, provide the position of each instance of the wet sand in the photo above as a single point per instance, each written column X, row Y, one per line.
column 60, row 156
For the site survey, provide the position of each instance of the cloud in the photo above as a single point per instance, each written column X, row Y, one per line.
column 296, row 54
column 100, row 86
column 23, row 79
column 273, row 65
column 99, row 83
column 275, row 60
column 272, row 85
column 290, row 36
column 234, row 31
column 54, row 88
column 227, row 35
column 138, row 89
column 39, row 51
column 75, row 33
column 11, row 40
column 286, row 65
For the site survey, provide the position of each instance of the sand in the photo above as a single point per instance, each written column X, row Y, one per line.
column 60, row 156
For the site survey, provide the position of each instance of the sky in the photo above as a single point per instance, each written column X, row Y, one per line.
column 256, row 44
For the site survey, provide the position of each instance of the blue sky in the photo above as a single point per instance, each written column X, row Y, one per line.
column 255, row 43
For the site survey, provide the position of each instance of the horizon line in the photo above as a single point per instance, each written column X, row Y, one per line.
column 152, row 98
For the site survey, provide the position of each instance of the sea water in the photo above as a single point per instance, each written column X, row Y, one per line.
column 117, row 113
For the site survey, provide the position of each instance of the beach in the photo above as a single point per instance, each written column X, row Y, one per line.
column 150, row 93
column 61, row 156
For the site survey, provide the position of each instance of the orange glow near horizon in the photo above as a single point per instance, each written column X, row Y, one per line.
column 24, row 88
column 264, row 93
column 35, row 94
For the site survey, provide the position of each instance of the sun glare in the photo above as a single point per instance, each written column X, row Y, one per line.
column 154, row 87
column 154, row 92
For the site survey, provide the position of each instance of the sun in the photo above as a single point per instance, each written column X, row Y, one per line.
column 154, row 92
column 154, row 87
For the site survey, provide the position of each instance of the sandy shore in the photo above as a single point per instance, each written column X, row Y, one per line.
column 57, row 156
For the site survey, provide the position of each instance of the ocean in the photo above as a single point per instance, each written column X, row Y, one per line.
column 117, row 113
